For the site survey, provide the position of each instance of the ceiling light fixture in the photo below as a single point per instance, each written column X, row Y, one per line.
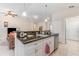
column 24, row 13
column 46, row 20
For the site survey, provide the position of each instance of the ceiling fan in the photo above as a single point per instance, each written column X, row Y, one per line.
column 9, row 13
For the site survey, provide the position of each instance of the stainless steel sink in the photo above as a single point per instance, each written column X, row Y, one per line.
column 43, row 35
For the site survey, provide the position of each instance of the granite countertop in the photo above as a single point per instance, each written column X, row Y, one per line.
column 37, row 38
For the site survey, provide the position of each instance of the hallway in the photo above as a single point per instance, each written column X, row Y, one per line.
column 71, row 48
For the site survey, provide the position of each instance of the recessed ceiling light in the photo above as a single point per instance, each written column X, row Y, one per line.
column 71, row 6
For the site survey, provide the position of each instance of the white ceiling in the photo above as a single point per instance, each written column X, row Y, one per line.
column 39, row 9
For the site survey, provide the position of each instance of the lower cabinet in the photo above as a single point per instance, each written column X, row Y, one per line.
column 34, row 48
column 45, row 42
column 48, row 46
column 40, row 47
column 30, row 51
column 51, row 43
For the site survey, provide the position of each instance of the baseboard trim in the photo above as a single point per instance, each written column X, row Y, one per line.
column 73, row 40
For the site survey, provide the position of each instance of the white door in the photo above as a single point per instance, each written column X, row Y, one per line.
column 72, row 28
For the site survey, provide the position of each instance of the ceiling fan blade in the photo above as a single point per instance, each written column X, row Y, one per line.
column 7, row 12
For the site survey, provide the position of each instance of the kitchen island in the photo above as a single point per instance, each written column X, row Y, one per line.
column 39, row 46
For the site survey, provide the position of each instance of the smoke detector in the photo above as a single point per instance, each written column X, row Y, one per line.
column 72, row 6
column 46, row 5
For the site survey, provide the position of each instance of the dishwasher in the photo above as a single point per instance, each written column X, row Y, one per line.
column 56, row 42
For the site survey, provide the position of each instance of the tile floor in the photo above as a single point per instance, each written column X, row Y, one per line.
column 5, row 51
column 71, row 48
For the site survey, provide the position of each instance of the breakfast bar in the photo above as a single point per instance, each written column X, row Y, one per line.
column 40, row 45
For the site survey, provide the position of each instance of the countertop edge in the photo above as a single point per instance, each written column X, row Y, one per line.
column 33, row 40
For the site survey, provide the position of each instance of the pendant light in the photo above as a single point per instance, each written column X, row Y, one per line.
column 24, row 12
column 46, row 20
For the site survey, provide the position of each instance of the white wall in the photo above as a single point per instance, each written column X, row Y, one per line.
column 42, row 24
column 72, row 28
column 59, row 22
column 46, row 25
column 16, row 22
column 58, row 26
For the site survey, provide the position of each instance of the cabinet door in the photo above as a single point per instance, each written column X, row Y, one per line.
column 19, row 48
column 39, row 48
column 45, row 42
column 30, row 49
column 34, row 48
column 51, row 43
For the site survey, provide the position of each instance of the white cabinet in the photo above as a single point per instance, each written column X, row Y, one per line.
column 37, row 48
column 19, row 48
column 34, row 48
column 45, row 41
column 50, row 42
column 29, row 49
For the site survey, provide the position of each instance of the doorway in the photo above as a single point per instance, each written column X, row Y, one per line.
column 72, row 28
